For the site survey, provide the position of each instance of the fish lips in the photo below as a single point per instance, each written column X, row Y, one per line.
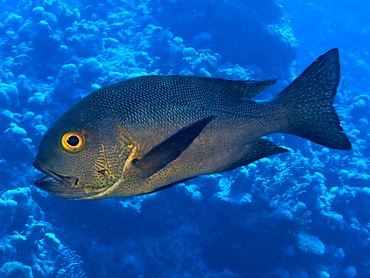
column 58, row 185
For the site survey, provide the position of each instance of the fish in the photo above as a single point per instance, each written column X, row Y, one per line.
column 149, row 133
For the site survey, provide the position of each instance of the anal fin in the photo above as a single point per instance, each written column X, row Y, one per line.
column 168, row 186
column 258, row 149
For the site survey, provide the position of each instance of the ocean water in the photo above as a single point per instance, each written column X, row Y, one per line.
column 301, row 214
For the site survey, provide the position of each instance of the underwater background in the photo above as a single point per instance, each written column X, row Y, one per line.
column 301, row 214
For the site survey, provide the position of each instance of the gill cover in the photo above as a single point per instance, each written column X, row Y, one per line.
column 81, row 162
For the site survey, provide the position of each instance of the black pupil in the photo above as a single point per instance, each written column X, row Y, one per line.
column 73, row 141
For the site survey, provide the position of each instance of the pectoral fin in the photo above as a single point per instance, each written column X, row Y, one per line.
column 170, row 149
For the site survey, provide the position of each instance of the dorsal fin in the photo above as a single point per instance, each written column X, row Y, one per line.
column 246, row 89
column 253, row 88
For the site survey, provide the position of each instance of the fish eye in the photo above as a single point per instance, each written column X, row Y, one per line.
column 73, row 141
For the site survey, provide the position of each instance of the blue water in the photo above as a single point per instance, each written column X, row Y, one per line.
column 302, row 214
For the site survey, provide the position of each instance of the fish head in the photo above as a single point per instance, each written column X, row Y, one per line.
column 82, row 157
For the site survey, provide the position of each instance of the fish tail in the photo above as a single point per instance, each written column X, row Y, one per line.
column 308, row 104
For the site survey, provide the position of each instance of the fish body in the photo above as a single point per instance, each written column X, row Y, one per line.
column 148, row 133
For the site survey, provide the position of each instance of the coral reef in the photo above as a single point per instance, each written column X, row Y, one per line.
column 29, row 248
column 303, row 214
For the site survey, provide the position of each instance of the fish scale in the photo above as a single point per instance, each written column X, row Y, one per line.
column 149, row 133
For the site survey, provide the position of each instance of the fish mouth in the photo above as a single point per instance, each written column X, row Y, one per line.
column 60, row 186
column 54, row 178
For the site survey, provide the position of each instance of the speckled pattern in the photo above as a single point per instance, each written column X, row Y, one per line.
column 126, row 120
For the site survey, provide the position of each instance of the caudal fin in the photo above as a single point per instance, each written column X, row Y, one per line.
column 308, row 102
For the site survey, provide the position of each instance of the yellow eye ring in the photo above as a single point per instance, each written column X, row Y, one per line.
column 73, row 141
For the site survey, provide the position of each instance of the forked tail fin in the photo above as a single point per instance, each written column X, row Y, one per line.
column 308, row 102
